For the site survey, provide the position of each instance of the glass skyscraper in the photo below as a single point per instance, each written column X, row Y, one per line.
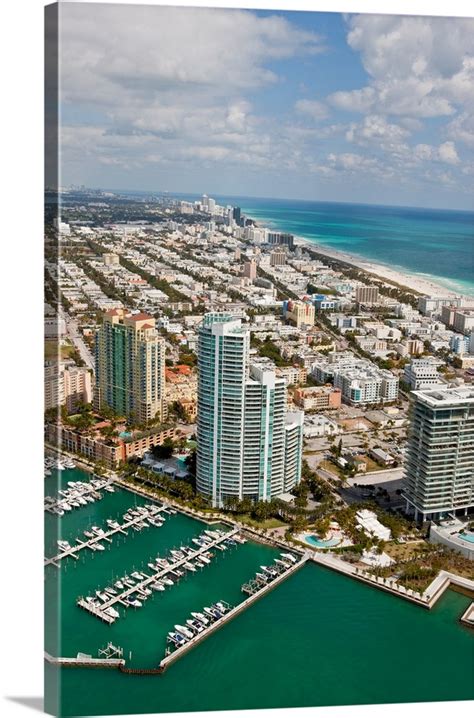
column 439, row 467
column 247, row 443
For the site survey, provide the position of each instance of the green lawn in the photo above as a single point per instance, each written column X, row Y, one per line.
column 267, row 524
column 51, row 350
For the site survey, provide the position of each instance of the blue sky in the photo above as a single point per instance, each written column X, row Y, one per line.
column 359, row 108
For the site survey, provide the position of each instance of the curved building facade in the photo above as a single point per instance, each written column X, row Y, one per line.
column 243, row 432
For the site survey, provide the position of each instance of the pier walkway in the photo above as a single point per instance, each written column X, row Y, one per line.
column 165, row 662
column 99, row 611
column 105, row 536
column 52, row 503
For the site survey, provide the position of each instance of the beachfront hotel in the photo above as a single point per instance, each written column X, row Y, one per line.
column 130, row 366
column 439, row 469
column 248, row 445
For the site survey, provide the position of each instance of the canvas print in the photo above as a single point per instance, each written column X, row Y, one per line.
column 259, row 356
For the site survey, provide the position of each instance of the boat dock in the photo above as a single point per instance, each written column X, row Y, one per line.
column 73, row 551
column 233, row 612
column 109, row 657
column 467, row 617
column 99, row 611
column 52, row 504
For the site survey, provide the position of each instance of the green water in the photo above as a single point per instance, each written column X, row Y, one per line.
column 317, row 639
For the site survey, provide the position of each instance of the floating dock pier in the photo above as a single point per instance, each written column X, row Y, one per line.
column 105, row 536
column 99, row 611
column 256, row 595
column 51, row 504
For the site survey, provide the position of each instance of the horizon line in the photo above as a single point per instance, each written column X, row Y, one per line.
column 286, row 199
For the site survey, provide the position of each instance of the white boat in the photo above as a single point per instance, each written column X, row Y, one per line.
column 177, row 639
column 195, row 625
column 110, row 590
column 99, row 546
column 184, row 631
column 289, row 556
column 157, row 586
column 137, row 575
column 103, row 596
column 221, row 606
column 204, row 559
column 119, row 585
column 189, row 566
column 112, row 612
column 64, row 545
column 200, row 617
column 89, row 534
column 167, row 581
column 133, row 602
column 109, row 488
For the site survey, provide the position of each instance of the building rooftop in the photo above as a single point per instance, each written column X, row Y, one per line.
column 448, row 396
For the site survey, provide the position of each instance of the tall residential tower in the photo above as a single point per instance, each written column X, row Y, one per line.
column 439, row 470
column 130, row 366
column 248, row 446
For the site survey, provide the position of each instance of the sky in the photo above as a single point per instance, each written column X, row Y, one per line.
column 319, row 106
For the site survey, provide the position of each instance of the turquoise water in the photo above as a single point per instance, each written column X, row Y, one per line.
column 433, row 243
column 467, row 537
column 320, row 543
column 317, row 639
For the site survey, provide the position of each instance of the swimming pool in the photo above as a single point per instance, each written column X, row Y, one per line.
column 467, row 537
column 320, row 543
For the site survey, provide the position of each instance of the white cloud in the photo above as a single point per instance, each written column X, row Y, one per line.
column 418, row 66
column 375, row 129
column 462, row 128
column 315, row 109
column 445, row 153
column 164, row 83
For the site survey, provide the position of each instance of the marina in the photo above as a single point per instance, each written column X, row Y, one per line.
column 146, row 582
column 77, row 494
column 138, row 518
column 331, row 614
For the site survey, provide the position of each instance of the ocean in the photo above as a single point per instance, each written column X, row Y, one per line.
column 317, row 639
column 433, row 243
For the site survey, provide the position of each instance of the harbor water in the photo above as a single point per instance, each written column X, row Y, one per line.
column 318, row 639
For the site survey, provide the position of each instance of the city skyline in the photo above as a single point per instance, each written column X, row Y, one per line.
column 312, row 106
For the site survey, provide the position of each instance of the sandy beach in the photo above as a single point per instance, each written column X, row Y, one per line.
column 418, row 283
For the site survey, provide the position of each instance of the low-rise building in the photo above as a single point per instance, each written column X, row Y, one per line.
column 318, row 398
column 421, row 374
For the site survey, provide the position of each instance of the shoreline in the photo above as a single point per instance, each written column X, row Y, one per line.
column 423, row 285
column 420, row 285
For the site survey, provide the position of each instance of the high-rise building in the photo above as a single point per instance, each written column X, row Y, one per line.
column 281, row 238
column 66, row 384
column 299, row 313
column 439, row 467
column 130, row 365
column 277, row 257
column 247, row 444
column 367, row 295
column 250, row 269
